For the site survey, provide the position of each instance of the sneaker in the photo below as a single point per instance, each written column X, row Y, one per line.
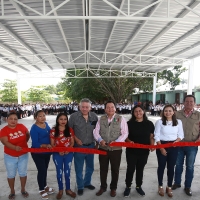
column 127, row 192
column 140, row 191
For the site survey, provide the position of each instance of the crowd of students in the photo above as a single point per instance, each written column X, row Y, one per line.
column 83, row 128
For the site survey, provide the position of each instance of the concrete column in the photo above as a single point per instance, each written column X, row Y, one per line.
column 19, row 90
column 154, row 88
column 190, row 77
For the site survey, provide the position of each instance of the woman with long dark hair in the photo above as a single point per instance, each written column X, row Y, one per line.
column 40, row 139
column 167, row 130
column 63, row 136
column 140, row 131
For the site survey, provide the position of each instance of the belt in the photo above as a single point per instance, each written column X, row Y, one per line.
column 165, row 142
column 87, row 144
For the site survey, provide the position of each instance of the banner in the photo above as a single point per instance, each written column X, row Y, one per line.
column 144, row 146
column 61, row 149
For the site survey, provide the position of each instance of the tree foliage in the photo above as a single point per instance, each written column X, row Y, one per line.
column 116, row 89
column 99, row 89
column 38, row 94
column 9, row 91
column 172, row 76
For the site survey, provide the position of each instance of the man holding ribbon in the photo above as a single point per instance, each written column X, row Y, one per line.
column 191, row 122
column 83, row 123
column 110, row 128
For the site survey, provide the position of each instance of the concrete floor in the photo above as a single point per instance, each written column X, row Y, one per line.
column 149, row 185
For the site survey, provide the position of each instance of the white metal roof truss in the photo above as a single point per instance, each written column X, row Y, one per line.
column 132, row 37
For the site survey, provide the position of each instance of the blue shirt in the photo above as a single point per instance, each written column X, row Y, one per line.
column 40, row 135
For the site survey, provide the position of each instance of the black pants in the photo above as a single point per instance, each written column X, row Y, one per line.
column 135, row 162
column 42, row 163
column 114, row 157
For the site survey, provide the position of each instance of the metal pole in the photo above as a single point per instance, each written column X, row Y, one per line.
column 19, row 90
column 190, row 77
column 154, row 88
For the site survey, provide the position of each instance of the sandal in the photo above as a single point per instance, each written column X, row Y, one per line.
column 49, row 190
column 70, row 193
column 60, row 194
column 25, row 194
column 161, row 191
column 44, row 195
column 11, row 196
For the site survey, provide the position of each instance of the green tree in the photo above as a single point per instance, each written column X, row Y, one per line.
column 116, row 89
column 172, row 76
column 51, row 89
column 98, row 89
column 9, row 91
column 38, row 94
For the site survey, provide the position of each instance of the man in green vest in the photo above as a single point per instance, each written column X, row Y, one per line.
column 191, row 122
column 110, row 128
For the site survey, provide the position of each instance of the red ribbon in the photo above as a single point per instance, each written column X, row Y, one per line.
column 61, row 149
column 144, row 146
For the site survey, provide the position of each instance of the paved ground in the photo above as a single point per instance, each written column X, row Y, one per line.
column 149, row 185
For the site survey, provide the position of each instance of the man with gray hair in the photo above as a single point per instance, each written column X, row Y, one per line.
column 83, row 123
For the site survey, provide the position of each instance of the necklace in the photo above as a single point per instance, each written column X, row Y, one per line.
column 169, row 123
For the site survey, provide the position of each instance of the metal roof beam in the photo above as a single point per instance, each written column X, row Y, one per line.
column 16, row 54
column 21, row 42
column 89, row 3
column 57, row 7
column 188, row 8
column 16, row 6
column 113, row 28
column 183, row 14
column 13, row 63
column 167, row 28
column 135, row 34
column 101, row 18
column 60, row 27
column 6, row 68
column 111, row 5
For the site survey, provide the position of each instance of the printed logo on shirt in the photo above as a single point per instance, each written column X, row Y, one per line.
column 16, row 135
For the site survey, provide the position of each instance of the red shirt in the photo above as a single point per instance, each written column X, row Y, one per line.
column 17, row 137
column 61, row 140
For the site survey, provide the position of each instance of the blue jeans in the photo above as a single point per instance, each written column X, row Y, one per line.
column 61, row 162
column 16, row 163
column 170, row 160
column 79, row 159
column 190, row 154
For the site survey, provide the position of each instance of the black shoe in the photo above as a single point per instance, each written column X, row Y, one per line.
column 175, row 186
column 140, row 191
column 80, row 192
column 188, row 191
column 90, row 187
column 127, row 192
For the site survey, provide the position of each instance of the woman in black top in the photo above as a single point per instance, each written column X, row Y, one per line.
column 140, row 131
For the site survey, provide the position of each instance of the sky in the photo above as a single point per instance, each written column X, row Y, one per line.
column 26, row 83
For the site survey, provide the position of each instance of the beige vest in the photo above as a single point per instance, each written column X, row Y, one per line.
column 110, row 132
column 190, row 125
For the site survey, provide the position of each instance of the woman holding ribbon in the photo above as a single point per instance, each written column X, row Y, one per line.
column 40, row 135
column 14, row 137
column 167, row 130
column 63, row 136
column 140, row 131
